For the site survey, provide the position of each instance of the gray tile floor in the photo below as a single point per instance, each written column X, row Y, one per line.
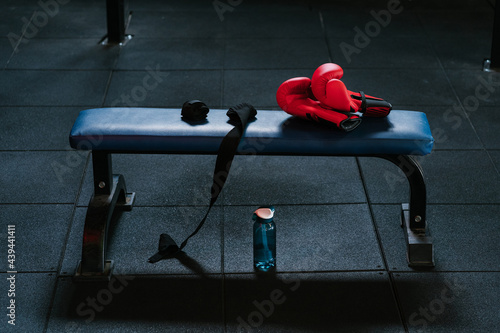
column 341, row 253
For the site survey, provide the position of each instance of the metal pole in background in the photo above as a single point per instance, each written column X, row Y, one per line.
column 115, row 16
column 493, row 64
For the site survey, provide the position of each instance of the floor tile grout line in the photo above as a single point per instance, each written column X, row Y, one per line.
column 341, row 271
column 440, row 204
column 222, row 70
column 344, row 271
column 48, row 106
column 222, row 195
column 106, row 89
column 36, row 203
column 31, row 272
column 37, row 150
column 256, row 204
column 249, row 69
column 325, row 36
column 216, row 69
column 444, row 271
column 65, row 244
column 162, row 38
column 110, row 77
column 392, row 283
column 398, row 301
column 296, row 204
column 193, row 154
column 223, row 275
column 63, row 70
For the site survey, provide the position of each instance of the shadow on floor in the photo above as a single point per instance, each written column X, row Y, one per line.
column 290, row 301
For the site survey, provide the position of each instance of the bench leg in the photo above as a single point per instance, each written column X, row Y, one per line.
column 110, row 197
column 420, row 250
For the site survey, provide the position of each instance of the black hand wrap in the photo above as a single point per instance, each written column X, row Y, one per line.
column 194, row 110
column 239, row 115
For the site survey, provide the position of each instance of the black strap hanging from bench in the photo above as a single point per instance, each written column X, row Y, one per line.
column 239, row 116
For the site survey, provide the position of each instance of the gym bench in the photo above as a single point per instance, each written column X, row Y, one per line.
column 108, row 131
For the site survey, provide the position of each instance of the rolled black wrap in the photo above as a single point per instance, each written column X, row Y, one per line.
column 246, row 111
column 194, row 110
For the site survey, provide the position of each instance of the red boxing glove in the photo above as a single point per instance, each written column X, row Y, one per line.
column 332, row 93
column 294, row 96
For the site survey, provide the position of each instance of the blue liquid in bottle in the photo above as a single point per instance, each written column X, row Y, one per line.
column 264, row 239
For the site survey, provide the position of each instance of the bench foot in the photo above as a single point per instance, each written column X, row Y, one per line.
column 128, row 203
column 103, row 209
column 105, row 275
column 420, row 251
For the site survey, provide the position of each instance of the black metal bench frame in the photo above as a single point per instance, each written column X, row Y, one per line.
column 111, row 196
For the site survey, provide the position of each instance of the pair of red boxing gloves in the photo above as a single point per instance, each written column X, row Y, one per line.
column 326, row 99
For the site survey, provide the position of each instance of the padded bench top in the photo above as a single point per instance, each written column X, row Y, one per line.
column 154, row 130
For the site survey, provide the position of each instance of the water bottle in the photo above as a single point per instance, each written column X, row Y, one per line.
column 264, row 239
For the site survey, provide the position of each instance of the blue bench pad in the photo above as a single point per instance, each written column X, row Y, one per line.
column 154, row 130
